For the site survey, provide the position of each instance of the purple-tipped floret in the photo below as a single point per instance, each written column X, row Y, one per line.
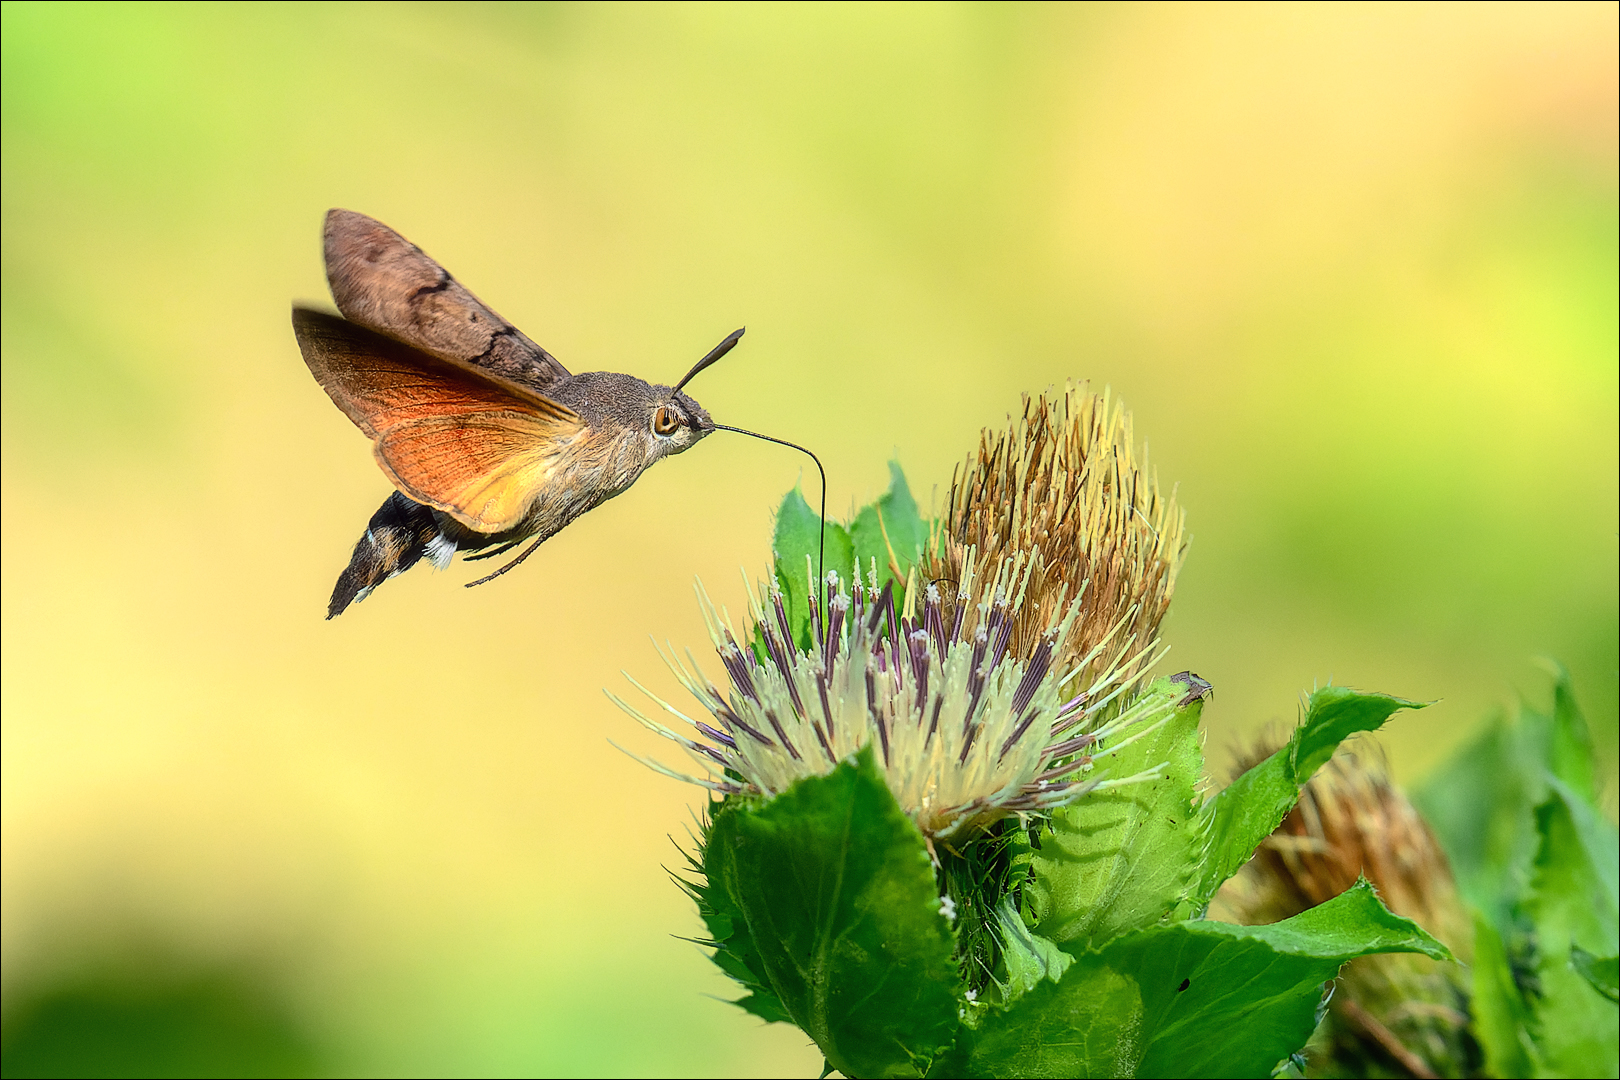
column 776, row 726
column 877, row 713
column 717, row 735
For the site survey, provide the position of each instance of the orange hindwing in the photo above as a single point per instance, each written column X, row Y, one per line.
column 453, row 436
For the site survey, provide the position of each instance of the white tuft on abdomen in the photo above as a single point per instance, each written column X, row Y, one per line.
column 439, row 551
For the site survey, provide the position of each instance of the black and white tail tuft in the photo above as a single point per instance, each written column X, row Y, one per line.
column 400, row 533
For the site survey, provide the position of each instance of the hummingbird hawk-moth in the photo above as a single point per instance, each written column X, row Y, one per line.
column 487, row 438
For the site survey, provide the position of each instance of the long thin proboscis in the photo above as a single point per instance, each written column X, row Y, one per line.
column 714, row 355
column 821, row 541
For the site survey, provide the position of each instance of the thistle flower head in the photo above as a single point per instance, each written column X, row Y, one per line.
column 966, row 731
column 1063, row 487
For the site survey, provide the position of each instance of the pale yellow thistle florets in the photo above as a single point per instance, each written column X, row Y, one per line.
column 993, row 683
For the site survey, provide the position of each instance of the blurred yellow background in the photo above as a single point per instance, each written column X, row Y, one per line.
column 1352, row 266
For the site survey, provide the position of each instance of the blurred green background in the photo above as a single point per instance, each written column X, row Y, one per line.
column 1353, row 267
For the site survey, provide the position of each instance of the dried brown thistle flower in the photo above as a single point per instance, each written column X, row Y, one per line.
column 1406, row 1012
column 1063, row 486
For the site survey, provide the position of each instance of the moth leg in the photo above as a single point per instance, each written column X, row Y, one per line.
column 494, row 551
column 526, row 553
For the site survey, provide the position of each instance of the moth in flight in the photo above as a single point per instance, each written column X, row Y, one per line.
column 488, row 439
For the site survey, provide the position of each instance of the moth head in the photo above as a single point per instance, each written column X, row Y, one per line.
column 676, row 422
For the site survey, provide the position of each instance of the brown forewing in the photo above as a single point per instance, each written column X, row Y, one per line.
column 378, row 382
column 382, row 281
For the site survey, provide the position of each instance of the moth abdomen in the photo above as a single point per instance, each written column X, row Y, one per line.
column 398, row 535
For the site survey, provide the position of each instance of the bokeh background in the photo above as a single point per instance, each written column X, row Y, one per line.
column 1353, row 267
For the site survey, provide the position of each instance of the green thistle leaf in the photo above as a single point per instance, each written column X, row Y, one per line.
column 1602, row 972
column 1573, row 903
column 1246, row 812
column 1482, row 803
column 1501, row 1016
column 835, row 886
column 797, row 538
column 1538, row 861
column 1570, row 751
column 890, row 528
column 1026, row 958
column 734, row 951
column 1190, row 999
column 1120, row 859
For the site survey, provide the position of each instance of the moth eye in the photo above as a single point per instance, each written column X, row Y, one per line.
column 665, row 421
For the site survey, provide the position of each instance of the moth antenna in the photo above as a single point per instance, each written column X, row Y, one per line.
column 821, row 541
column 526, row 553
column 715, row 354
